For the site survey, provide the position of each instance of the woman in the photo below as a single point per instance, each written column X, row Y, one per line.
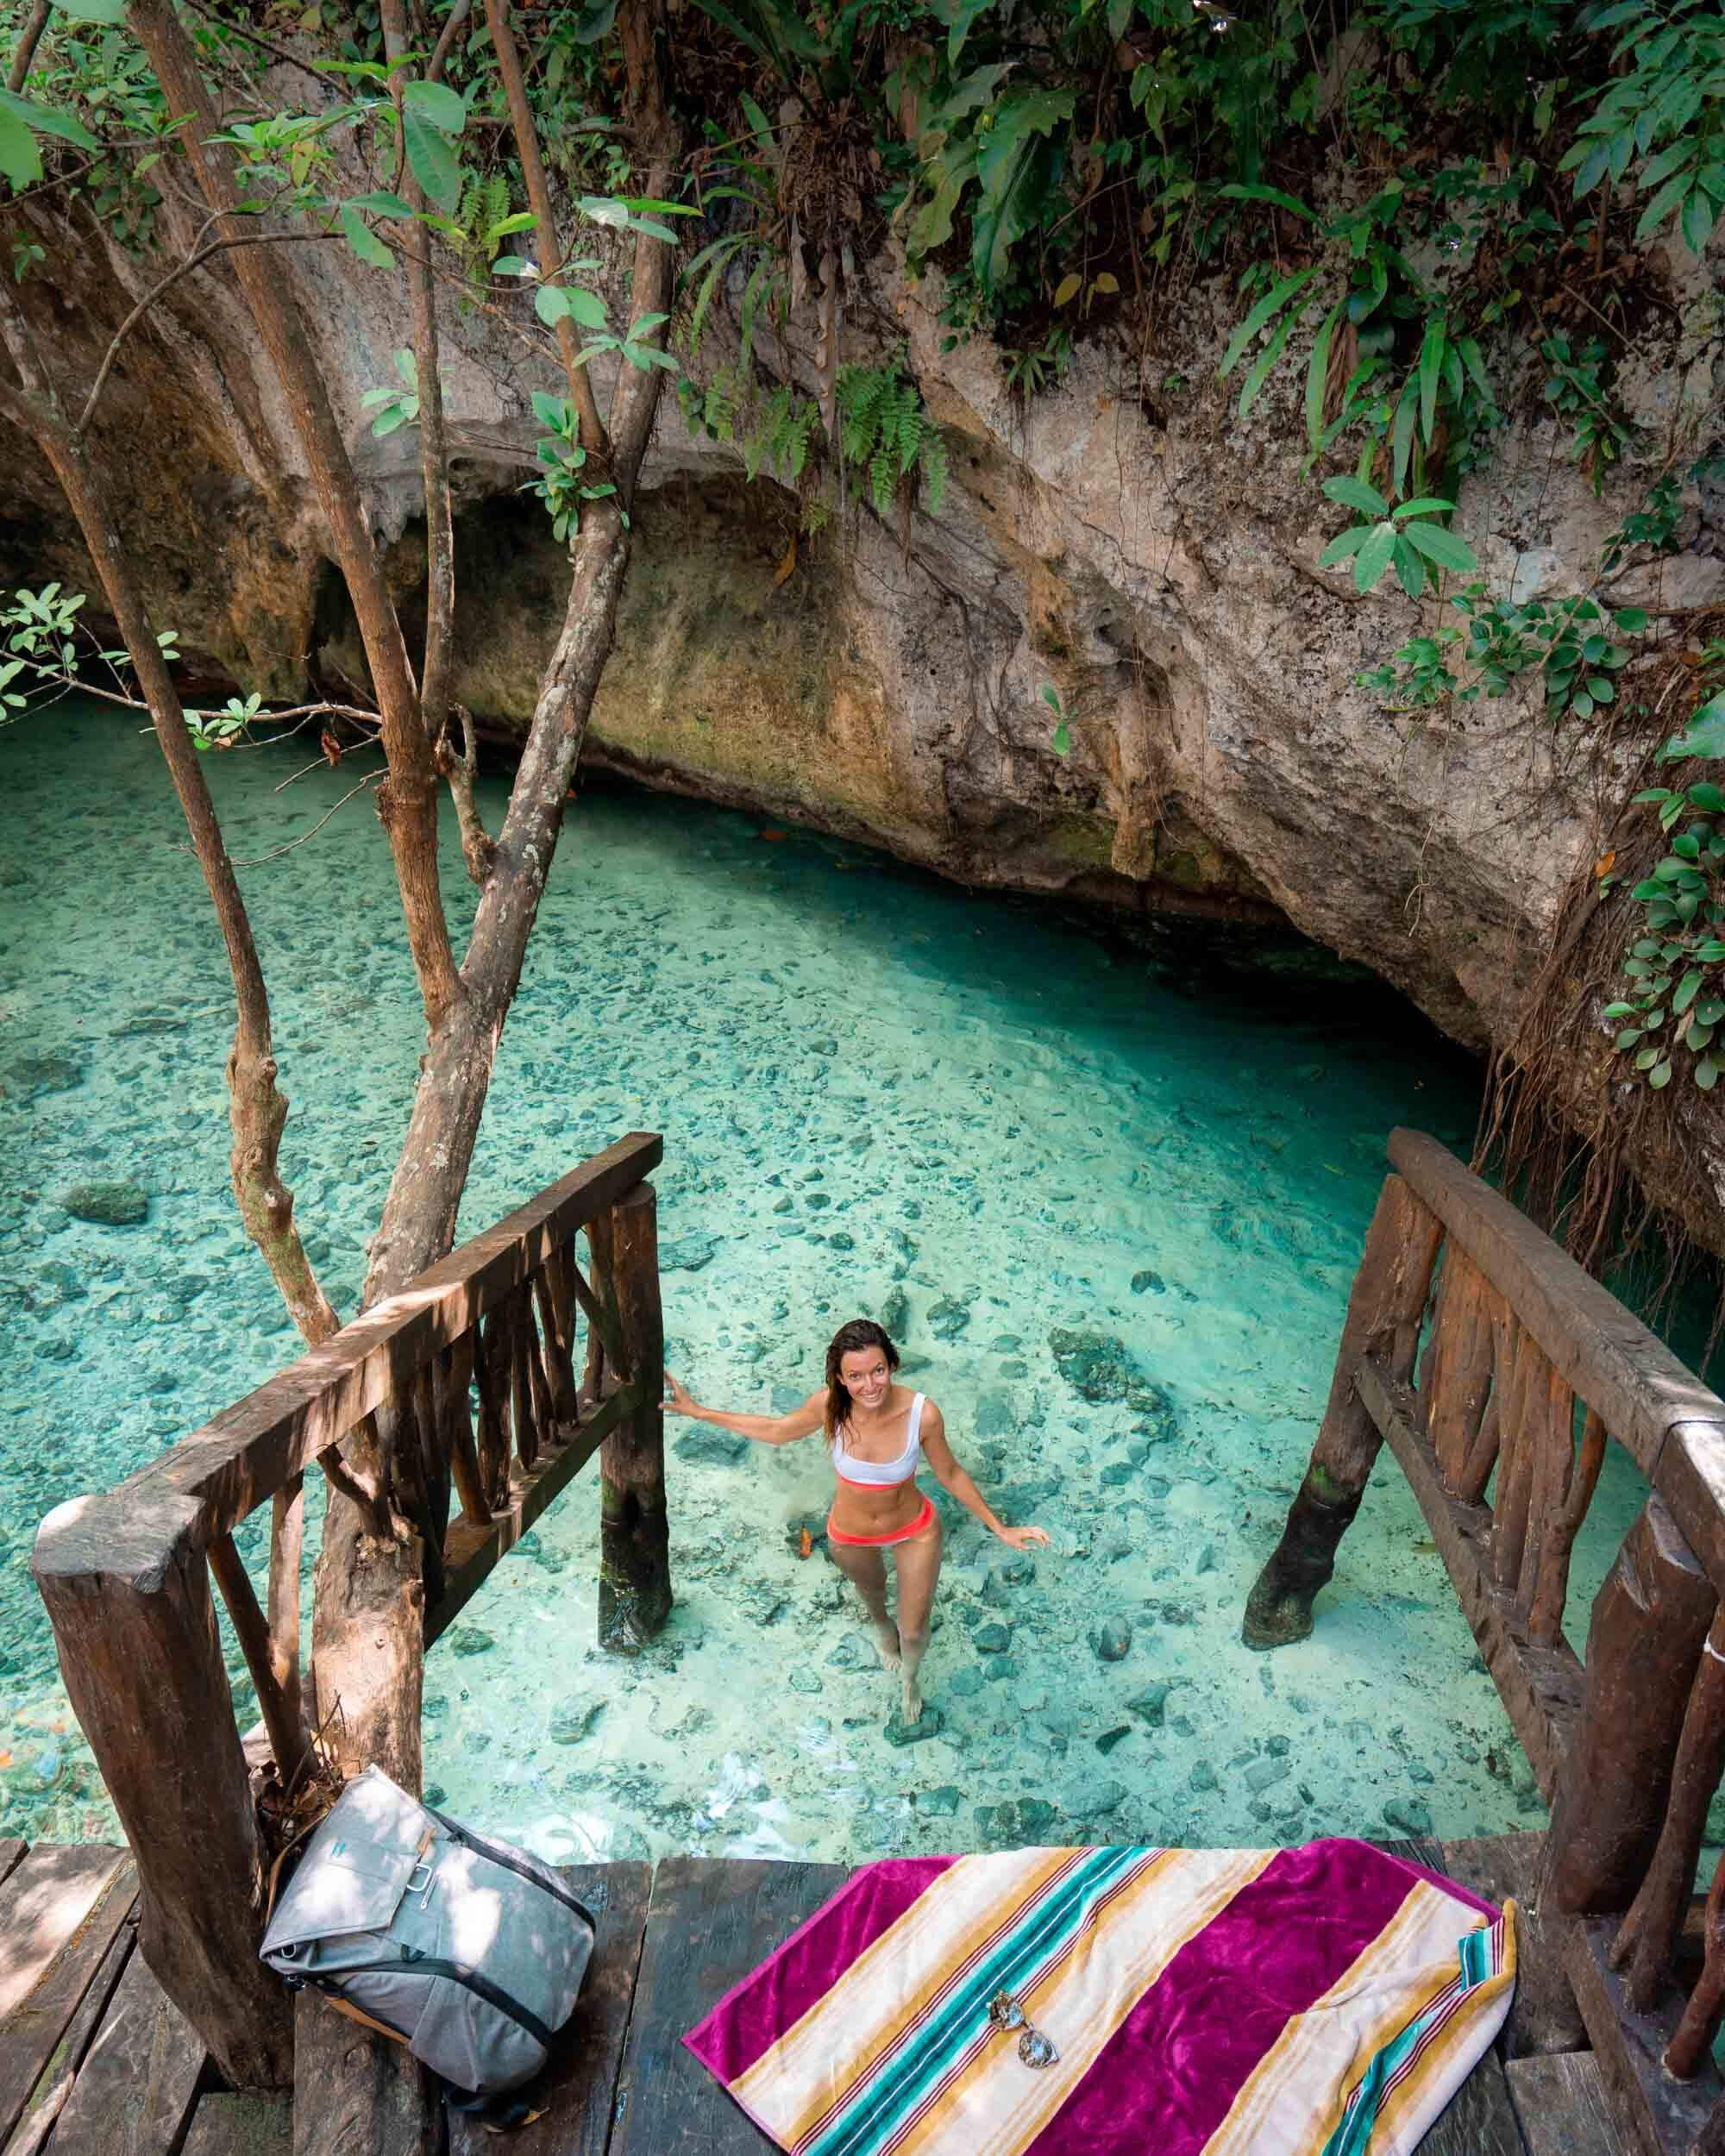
column 877, row 1433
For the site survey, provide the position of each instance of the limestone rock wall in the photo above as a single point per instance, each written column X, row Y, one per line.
column 1122, row 537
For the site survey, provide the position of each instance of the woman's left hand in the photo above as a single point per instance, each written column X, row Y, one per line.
column 1021, row 1538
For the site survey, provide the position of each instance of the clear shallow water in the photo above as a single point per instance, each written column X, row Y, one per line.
column 879, row 1095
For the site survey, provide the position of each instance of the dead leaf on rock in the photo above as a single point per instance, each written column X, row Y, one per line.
column 784, row 569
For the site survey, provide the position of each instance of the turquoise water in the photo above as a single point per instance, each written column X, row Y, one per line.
column 994, row 1127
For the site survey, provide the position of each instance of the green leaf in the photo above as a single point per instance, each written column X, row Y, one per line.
column 1354, row 493
column 1402, row 433
column 1660, row 208
column 1705, row 734
column 1263, row 366
column 1015, row 176
column 1627, row 1038
column 1600, row 689
column 1242, row 190
column 93, row 10
column 1687, row 989
column 363, row 240
column 1344, row 544
column 1410, row 571
column 1660, row 1075
column 513, row 266
column 1271, row 304
column 1431, row 372
column 20, row 159
column 1696, row 221
column 1442, row 547
column 432, row 159
column 1705, row 795
column 1373, row 558
column 1428, row 505
column 46, row 120
column 587, row 307
column 1707, row 1073
column 1646, row 1059
column 1630, row 620
column 436, row 105
column 1062, row 742
column 383, row 202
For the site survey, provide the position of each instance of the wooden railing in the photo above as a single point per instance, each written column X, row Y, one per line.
column 1528, row 1370
column 558, row 1362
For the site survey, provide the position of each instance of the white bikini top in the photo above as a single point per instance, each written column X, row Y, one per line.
column 881, row 1473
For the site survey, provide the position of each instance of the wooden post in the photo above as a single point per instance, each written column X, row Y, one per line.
column 127, row 1595
column 1382, row 1319
column 1650, row 1620
column 1646, row 1941
column 635, row 1574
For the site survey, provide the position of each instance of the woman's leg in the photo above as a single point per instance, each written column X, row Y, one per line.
column 918, row 1565
column 867, row 1570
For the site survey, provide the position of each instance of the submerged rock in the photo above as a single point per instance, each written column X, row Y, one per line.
column 949, row 1318
column 50, row 1072
column 1098, row 1365
column 469, row 1639
column 1149, row 1283
column 895, row 1313
column 900, row 1732
column 1112, row 1642
column 1150, row 1703
column 575, row 1720
column 1409, row 1815
column 687, row 1255
column 116, row 1205
column 713, row 1448
column 992, row 1639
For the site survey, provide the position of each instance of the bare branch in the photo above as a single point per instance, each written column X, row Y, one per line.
column 539, row 202
column 192, row 261
column 458, row 15
column 479, row 848
column 407, row 803
column 289, row 845
column 25, row 51
column 257, row 1108
column 264, row 44
column 434, row 447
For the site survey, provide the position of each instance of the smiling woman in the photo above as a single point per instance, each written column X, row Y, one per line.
column 878, row 1434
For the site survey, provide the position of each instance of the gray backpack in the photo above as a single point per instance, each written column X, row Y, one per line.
column 469, row 1951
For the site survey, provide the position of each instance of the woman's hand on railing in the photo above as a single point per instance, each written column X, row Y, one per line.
column 677, row 1400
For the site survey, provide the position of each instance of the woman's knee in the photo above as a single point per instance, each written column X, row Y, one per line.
column 912, row 1638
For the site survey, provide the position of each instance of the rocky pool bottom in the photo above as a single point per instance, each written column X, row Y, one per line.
column 1109, row 1196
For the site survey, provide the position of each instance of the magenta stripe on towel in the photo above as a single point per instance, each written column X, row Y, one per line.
column 753, row 2015
column 1165, row 2079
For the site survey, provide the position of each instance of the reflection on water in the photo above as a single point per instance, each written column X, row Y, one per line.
column 1109, row 1200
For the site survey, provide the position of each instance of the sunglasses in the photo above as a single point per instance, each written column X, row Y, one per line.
column 1034, row 2048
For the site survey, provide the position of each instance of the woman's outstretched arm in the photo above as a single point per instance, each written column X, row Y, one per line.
column 951, row 1475
column 801, row 1422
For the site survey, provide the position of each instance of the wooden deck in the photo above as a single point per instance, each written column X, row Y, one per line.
column 94, row 2061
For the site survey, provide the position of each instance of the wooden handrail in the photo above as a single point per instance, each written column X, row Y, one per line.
column 1521, row 1346
column 247, row 1453
column 126, row 1574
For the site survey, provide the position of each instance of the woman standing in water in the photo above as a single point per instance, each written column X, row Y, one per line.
column 878, row 1434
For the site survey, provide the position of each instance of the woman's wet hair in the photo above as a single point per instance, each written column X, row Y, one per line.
column 860, row 1332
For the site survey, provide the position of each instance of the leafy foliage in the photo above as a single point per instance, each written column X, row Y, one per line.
column 884, row 431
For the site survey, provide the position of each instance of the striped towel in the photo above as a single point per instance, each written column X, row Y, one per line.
column 1325, row 2001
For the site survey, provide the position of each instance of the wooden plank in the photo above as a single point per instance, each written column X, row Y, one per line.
column 1544, row 2016
column 471, row 1551
column 135, row 2091
column 579, row 2088
column 1479, row 2119
column 709, row 1922
column 60, row 1912
column 241, row 2126
column 253, row 1448
column 1540, row 1686
column 1654, row 2115
column 1559, row 2102
column 49, row 2096
column 1608, row 1355
column 355, row 2094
